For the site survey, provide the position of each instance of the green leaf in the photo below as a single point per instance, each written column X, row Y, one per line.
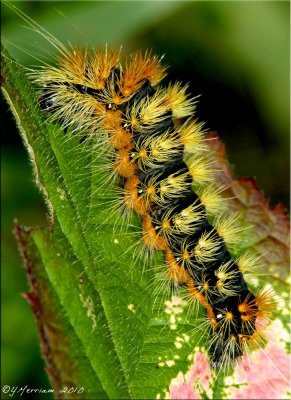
column 49, row 178
column 60, row 346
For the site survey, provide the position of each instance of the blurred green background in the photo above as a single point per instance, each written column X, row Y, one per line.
column 234, row 54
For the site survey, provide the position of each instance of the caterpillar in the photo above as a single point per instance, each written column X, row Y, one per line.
column 158, row 156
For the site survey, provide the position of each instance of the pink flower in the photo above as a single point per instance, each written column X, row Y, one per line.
column 264, row 375
column 183, row 391
column 188, row 386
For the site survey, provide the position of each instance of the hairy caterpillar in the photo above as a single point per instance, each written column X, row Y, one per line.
column 158, row 160
column 54, row 99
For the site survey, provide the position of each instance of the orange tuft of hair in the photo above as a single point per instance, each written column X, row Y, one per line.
column 140, row 68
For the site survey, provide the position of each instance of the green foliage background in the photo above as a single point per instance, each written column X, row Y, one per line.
column 235, row 54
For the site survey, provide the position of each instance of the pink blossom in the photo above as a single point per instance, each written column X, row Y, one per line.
column 183, row 391
column 264, row 375
column 187, row 386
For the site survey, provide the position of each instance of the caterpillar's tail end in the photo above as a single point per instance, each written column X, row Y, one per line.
column 224, row 353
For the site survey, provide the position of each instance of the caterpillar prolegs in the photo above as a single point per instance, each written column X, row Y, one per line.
column 162, row 163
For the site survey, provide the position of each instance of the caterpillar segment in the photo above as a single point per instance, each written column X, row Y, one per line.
column 167, row 177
